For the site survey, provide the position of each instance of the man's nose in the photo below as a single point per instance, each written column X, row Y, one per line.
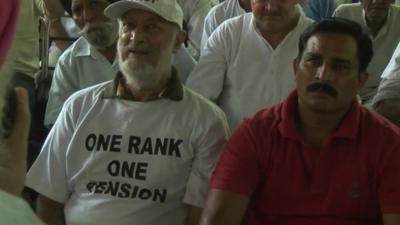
column 137, row 34
column 323, row 73
column 89, row 14
column 271, row 5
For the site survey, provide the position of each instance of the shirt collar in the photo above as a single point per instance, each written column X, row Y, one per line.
column 173, row 90
column 83, row 47
column 347, row 129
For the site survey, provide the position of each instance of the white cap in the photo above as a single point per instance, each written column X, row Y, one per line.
column 167, row 9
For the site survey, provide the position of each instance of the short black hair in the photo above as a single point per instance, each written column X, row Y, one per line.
column 344, row 26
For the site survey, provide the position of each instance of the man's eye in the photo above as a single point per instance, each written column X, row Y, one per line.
column 341, row 67
column 152, row 27
column 313, row 61
column 96, row 3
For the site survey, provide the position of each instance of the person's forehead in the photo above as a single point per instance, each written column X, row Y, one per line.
column 333, row 44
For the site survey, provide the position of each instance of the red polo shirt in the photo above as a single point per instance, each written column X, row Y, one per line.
column 351, row 180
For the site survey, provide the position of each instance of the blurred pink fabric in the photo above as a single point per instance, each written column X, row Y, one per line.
column 8, row 19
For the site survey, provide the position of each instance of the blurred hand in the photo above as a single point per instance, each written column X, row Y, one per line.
column 13, row 150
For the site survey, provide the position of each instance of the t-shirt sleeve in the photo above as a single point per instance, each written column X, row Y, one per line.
column 238, row 170
column 209, row 144
column 48, row 174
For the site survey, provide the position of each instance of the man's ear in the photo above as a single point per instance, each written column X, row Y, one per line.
column 362, row 78
column 295, row 64
column 180, row 38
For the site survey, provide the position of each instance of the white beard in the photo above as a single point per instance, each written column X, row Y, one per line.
column 144, row 76
column 104, row 37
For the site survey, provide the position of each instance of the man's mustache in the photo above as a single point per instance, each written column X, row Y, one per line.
column 91, row 25
column 324, row 87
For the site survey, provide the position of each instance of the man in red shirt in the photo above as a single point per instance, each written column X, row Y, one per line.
column 319, row 157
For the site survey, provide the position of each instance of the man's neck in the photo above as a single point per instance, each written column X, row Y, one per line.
column 317, row 127
column 109, row 53
column 275, row 37
column 375, row 26
column 142, row 94
column 245, row 5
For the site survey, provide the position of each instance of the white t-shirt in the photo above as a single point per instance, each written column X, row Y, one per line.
column 384, row 44
column 217, row 15
column 194, row 12
column 241, row 72
column 120, row 162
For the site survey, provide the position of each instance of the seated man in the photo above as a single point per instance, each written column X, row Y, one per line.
column 92, row 58
column 243, row 66
column 319, row 157
column 139, row 149
column 387, row 100
column 380, row 19
column 89, row 60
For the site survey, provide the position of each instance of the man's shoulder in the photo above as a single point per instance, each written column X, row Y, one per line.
column 238, row 22
column 77, row 48
column 349, row 8
column 89, row 94
column 395, row 11
column 235, row 27
column 224, row 8
column 267, row 119
column 200, row 103
column 375, row 125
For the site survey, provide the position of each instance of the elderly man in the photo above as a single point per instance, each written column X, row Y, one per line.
column 318, row 157
column 387, row 100
column 380, row 18
column 243, row 66
column 89, row 60
column 92, row 58
column 138, row 149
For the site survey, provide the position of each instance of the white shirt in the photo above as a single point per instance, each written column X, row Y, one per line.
column 241, row 72
column 194, row 12
column 79, row 67
column 392, row 70
column 389, row 87
column 217, row 15
column 120, row 162
column 384, row 44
